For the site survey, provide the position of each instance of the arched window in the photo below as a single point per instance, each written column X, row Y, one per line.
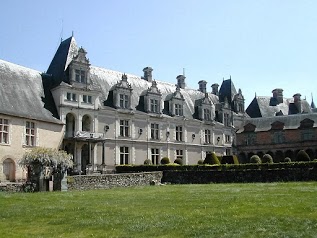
column 70, row 125
column 86, row 123
column 9, row 169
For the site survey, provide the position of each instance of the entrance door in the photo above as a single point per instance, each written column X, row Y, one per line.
column 84, row 158
column 9, row 169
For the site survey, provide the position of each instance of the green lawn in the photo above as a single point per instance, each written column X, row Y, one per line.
column 213, row 210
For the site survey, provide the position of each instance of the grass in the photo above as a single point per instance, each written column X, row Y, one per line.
column 213, row 210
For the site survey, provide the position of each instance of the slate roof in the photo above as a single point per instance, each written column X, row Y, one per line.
column 107, row 79
column 21, row 93
column 227, row 90
column 290, row 121
column 260, row 107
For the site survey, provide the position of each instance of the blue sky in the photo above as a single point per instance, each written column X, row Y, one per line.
column 262, row 44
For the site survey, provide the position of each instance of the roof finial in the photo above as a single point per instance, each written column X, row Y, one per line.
column 184, row 71
column 72, row 33
column 230, row 76
column 255, row 94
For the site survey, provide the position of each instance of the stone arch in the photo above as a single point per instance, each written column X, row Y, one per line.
column 242, row 158
column 290, row 154
column 9, row 168
column 311, row 154
column 279, row 156
column 70, row 125
column 86, row 123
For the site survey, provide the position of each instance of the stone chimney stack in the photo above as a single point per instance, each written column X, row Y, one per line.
column 278, row 94
column 202, row 86
column 215, row 89
column 181, row 81
column 148, row 74
column 297, row 102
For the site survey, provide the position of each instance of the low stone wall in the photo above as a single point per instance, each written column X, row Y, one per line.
column 11, row 187
column 244, row 176
column 106, row 181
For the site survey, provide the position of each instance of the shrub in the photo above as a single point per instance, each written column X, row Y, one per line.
column 211, row 159
column 165, row 160
column 287, row 160
column 200, row 162
column 147, row 162
column 302, row 156
column 178, row 161
column 267, row 158
column 255, row 159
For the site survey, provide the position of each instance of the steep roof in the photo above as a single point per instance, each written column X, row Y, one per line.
column 107, row 79
column 227, row 90
column 290, row 121
column 62, row 58
column 260, row 107
column 21, row 93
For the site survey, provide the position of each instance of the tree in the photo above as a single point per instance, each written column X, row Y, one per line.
column 41, row 163
column 267, row 158
column 211, row 158
column 302, row 156
column 255, row 159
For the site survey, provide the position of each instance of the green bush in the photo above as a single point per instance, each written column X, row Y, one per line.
column 267, row 158
column 255, row 159
column 211, row 158
column 200, row 162
column 147, row 162
column 287, row 160
column 178, row 161
column 165, row 160
column 302, row 156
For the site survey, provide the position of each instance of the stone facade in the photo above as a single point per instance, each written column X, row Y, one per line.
column 106, row 181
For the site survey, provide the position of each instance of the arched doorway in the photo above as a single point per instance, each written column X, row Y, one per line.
column 84, row 158
column 9, row 169
column 86, row 123
column 70, row 125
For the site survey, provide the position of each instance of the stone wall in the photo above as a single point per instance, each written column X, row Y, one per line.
column 106, row 181
column 11, row 187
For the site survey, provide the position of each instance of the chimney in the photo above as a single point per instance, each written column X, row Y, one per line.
column 181, row 81
column 278, row 95
column 202, row 86
column 297, row 102
column 147, row 74
column 215, row 89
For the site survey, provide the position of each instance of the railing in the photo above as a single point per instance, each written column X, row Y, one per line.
column 84, row 135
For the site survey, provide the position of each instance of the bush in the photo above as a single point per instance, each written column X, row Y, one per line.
column 165, row 160
column 302, row 156
column 267, row 158
column 287, row 160
column 147, row 162
column 211, row 159
column 255, row 159
column 178, row 161
column 200, row 162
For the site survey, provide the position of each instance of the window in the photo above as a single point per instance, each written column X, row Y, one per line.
column 155, row 131
column 30, row 133
column 124, row 155
column 155, row 155
column 307, row 135
column 207, row 115
column 178, row 109
column 124, row 128
column 71, row 96
column 226, row 120
column 250, row 139
column 278, row 137
column 227, row 138
column 124, row 101
column 154, row 105
column 87, row 99
column 4, row 131
column 179, row 133
column 80, row 76
column 179, row 154
column 207, row 136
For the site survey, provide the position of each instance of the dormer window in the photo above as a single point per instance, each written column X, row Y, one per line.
column 207, row 114
column 124, row 101
column 178, row 109
column 152, row 99
column 71, row 96
column 80, row 76
column 154, row 106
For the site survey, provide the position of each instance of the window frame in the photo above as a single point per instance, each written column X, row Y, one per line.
column 155, row 156
column 155, row 131
column 4, row 131
column 124, row 155
column 178, row 109
column 179, row 133
column 207, row 136
column 124, row 128
column 180, row 154
column 30, row 133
